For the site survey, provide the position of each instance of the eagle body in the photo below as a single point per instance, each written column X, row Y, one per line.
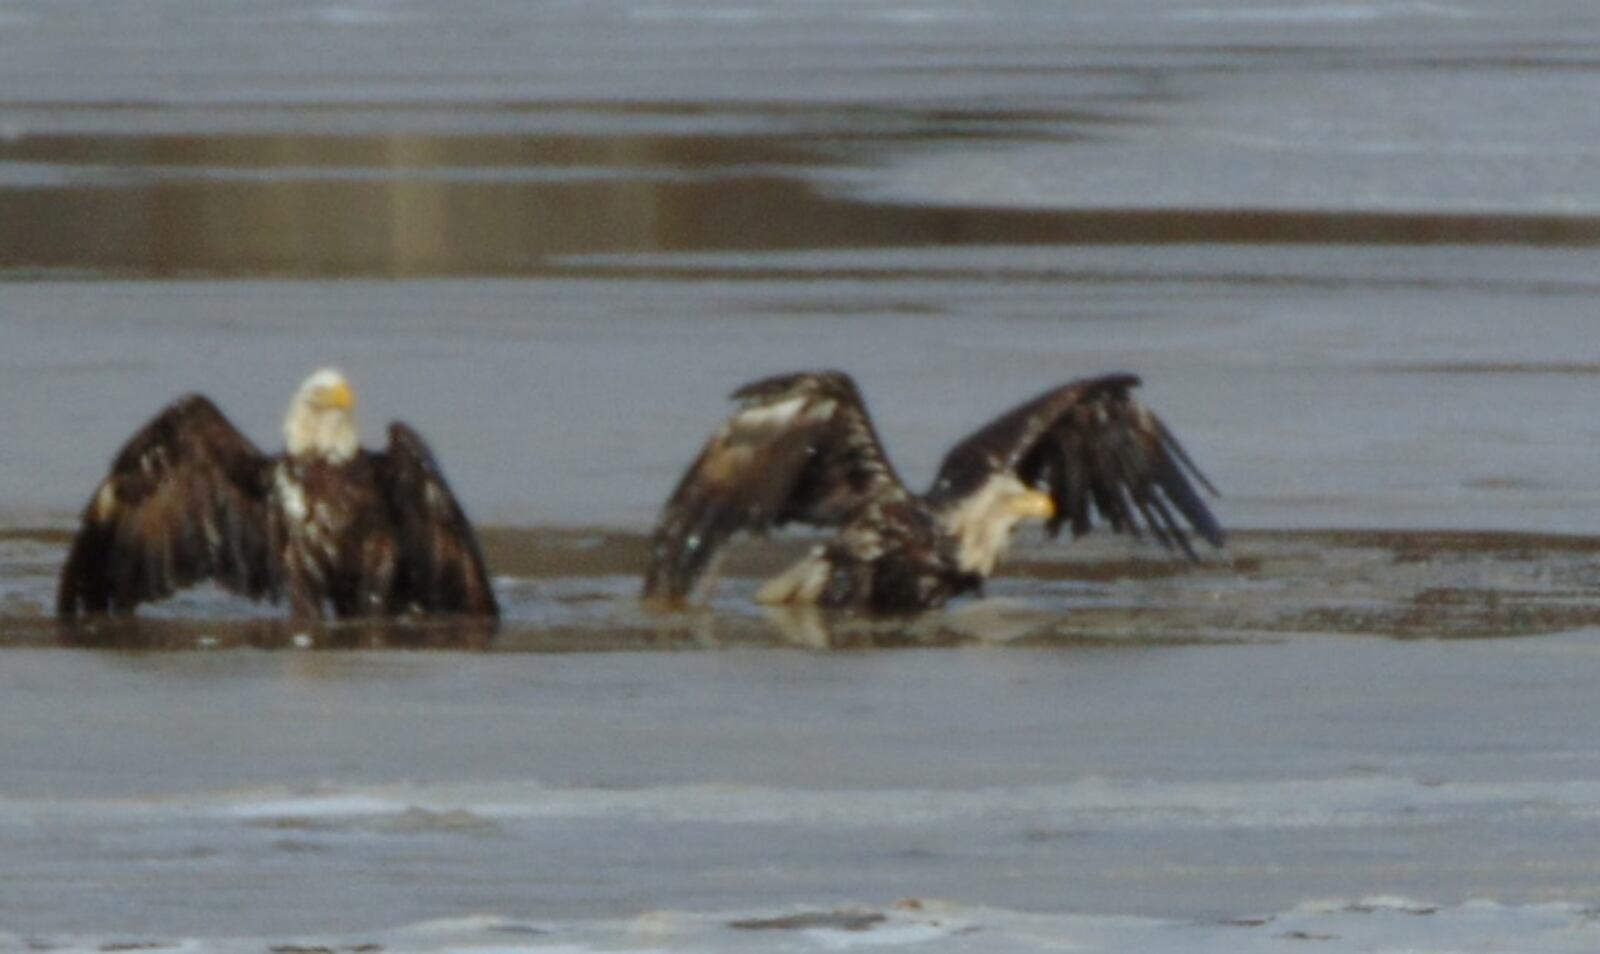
column 337, row 547
column 338, row 529
column 889, row 560
column 801, row 448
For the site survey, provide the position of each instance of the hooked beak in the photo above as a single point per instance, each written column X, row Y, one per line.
column 339, row 396
column 1033, row 503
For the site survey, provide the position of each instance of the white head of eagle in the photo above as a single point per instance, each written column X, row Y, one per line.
column 322, row 418
column 983, row 520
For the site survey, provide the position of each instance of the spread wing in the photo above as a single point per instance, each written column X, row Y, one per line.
column 1094, row 449
column 800, row 448
column 441, row 567
column 185, row 501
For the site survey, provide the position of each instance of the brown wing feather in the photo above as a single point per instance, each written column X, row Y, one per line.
column 1094, row 448
column 185, row 501
column 801, row 448
column 441, row 568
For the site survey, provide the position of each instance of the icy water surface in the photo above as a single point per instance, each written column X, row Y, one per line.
column 1102, row 794
column 1349, row 245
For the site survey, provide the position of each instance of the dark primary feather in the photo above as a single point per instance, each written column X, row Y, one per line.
column 441, row 568
column 185, row 501
column 1093, row 448
column 766, row 466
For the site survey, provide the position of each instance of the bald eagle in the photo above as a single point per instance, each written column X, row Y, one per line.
column 336, row 527
column 801, row 448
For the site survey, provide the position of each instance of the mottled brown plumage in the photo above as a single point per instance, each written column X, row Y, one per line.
column 336, row 529
column 801, row 448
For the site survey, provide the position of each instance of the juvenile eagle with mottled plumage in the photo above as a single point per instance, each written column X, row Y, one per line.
column 801, row 448
column 333, row 526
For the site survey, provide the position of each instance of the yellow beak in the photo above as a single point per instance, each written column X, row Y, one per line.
column 340, row 396
column 1033, row 503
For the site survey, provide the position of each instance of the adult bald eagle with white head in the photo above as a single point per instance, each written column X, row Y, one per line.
column 801, row 448
column 336, row 528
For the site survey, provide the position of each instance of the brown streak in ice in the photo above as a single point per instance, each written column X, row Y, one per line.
column 411, row 205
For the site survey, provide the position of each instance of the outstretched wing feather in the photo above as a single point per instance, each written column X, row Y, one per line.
column 801, row 449
column 441, row 567
column 185, row 501
column 1097, row 451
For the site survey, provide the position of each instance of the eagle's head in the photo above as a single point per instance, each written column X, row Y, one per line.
column 322, row 418
column 982, row 521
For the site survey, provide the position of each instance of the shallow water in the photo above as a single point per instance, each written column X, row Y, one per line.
column 576, row 591
column 1348, row 245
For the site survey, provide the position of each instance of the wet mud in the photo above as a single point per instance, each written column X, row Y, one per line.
column 576, row 591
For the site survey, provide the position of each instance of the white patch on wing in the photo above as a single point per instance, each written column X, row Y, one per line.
column 153, row 460
column 775, row 414
column 105, row 502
